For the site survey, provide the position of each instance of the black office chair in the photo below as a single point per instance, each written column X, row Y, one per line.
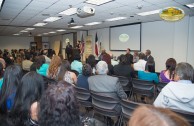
column 127, row 109
column 159, row 87
column 106, row 106
column 187, row 115
column 143, row 88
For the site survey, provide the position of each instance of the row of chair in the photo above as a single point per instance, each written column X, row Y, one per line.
column 109, row 107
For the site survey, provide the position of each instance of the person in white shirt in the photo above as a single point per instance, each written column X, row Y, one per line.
column 140, row 65
column 178, row 95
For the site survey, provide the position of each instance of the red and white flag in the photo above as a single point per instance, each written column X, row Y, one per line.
column 96, row 45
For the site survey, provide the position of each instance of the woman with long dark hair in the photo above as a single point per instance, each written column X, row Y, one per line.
column 11, row 81
column 58, row 106
column 25, row 108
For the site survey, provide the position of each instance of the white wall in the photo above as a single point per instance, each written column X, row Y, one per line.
column 164, row 39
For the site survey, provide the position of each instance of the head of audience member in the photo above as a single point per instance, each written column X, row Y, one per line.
column 3, row 62
column 65, row 66
column 40, row 61
column 102, row 67
column 1, row 71
column 141, row 55
column 87, row 70
column 28, row 56
column 61, row 56
column 123, row 59
column 91, row 60
column 106, row 57
column 150, row 66
column 128, row 51
column 77, row 57
column 45, row 52
column 27, row 98
column 59, row 106
column 184, row 71
column 54, row 67
column 152, row 116
column 135, row 53
column 11, row 81
column 148, row 52
column 170, row 66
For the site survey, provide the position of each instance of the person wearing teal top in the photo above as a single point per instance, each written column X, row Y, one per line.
column 149, row 74
column 1, row 75
column 42, row 67
column 77, row 64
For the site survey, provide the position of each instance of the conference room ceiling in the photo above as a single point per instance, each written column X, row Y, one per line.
column 17, row 15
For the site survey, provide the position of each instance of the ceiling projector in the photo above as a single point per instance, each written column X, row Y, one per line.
column 85, row 11
column 71, row 23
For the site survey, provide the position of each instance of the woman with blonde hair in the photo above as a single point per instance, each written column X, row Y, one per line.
column 152, row 116
column 54, row 67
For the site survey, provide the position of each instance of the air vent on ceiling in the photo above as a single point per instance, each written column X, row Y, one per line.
column 45, row 14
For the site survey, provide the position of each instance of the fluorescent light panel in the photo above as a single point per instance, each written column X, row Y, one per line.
column 23, row 31
column 190, row 5
column 52, row 19
column 98, row 2
column 52, row 32
column 45, row 33
column 77, row 27
column 149, row 13
column 61, row 30
column 116, row 19
column 29, row 29
column 40, row 24
column 93, row 23
column 69, row 11
column 16, row 34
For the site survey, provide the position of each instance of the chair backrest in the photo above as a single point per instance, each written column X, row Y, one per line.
column 187, row 115
column 103, row 101
column 160, row 85
column 128, row 107
column 142, row 87
column 83, row 96
column 125, row 82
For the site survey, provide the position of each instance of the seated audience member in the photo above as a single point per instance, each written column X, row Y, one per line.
column 135, row 56
column 106, row 57
column 59, row 106
column 129, row 56
column 77, row 64
column 179, row 94
column 1, row 75
column 33, row 67
column 41, row 66
column 45, row 54
column 123, row 68
column 168, row 74
column 65, row 73
column 11, row 81
column 3, row 63
column 149, row 74
column 105, row 84
column 54, row 67
column 26, row 64
column 25, row 109
column 92, row 62
column 152, row 116
column 82, row 80
column 140, row 64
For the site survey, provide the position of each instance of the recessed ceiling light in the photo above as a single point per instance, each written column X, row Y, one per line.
column 23, row 31
column 190, row 5
column 45, row 33
column 52, row 19
column 69, row 11
column 52, row 32
column 61, row 30
column 74, row 27
column 98, row 2
column 29, row 29
column 149, row 13
column 40, row 24
column 93, row 23
column 39, row 35
column 16, row 34
column 117, row 18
